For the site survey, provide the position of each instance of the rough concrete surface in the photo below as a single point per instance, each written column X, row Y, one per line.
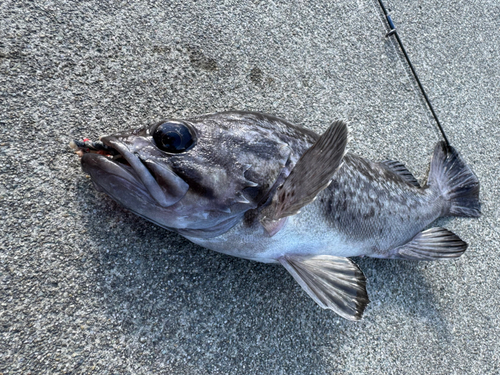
column 87, row 287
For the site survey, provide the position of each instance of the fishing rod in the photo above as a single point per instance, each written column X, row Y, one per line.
column 394, row 32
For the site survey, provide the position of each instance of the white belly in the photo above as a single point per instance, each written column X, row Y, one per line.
column 303, row 233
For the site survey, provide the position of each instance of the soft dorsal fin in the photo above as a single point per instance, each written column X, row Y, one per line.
column 334, row 283
column 432, row 244
column 400, row 169
column 312, row 173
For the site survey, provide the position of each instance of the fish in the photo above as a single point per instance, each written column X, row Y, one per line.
column 257, row 187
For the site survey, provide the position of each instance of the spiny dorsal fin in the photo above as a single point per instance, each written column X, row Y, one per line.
column 334, row 283
column 312, row 173
column 432, row 244
column 400, row 169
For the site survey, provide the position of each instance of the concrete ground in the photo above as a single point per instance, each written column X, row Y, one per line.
column 87, row 287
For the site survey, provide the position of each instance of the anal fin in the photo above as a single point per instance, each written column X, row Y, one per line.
column 334, row 283
column 432, row 244
column 399, row 168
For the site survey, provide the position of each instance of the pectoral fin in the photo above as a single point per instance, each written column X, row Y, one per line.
column 312, row 173
column 432, row 244
column 335, row 283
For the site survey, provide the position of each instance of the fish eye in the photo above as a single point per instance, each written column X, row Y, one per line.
column 174, row 137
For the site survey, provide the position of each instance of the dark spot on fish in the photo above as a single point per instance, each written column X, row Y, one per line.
column 193, row 178
column 334, row 185
column 256, row 76
column 252, row 192
column 251, row 218
column 199, row 189
column 370, row 214
column 344, row 206
column 329, row 204
column 199, row 60
column 267, row 149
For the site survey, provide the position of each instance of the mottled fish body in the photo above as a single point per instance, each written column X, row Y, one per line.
column 257, row 187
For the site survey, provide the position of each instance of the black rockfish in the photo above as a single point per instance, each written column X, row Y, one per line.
column 257, row 187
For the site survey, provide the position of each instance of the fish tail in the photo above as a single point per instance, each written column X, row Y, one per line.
column 455, row 181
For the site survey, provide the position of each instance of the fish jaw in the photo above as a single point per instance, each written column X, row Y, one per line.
column 122, row 183
column 164, row 186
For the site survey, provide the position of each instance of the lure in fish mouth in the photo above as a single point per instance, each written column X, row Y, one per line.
column 257, row 187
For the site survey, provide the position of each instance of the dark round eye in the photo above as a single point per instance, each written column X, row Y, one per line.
column 174, row 137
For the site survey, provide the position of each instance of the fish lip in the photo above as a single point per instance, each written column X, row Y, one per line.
column 141, row 171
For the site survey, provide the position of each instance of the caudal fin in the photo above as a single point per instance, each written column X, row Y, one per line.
column 455, row 181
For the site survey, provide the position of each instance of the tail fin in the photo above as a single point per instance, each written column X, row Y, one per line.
column 455, row 181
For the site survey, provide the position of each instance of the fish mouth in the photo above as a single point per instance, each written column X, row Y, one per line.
column 114, row 168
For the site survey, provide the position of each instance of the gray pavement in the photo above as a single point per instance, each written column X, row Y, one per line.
column 87, row 287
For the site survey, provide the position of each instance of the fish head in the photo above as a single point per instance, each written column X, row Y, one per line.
column 197, row 177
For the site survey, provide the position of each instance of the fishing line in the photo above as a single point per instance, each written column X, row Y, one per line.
column 392, row 31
